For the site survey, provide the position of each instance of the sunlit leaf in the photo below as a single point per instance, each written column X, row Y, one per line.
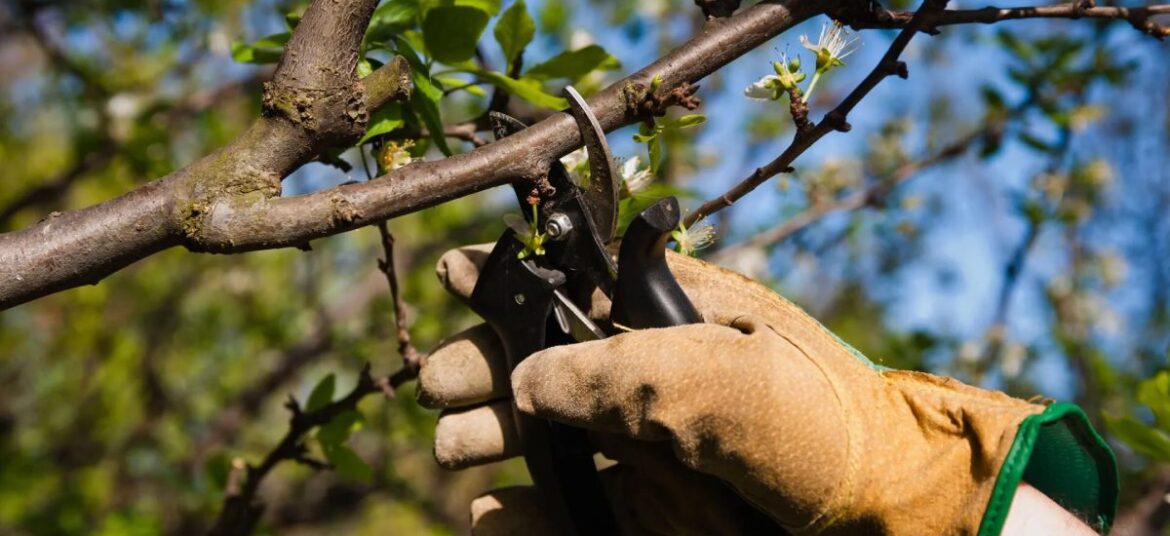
column 574, row 64
column 348, row 464
column 322, row 394
column 691, row 120
column 451, row 32
column 337, row 431
column 514, row 31
column 266, row 50
column 525, row 88
column 425, row 96
column 1155, row 394
column 386, row 119
column 1142, row 438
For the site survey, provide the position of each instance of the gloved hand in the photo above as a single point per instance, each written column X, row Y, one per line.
column 767, row 400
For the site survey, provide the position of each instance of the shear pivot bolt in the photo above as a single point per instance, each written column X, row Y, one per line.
column 519, row 299
column 558, row 226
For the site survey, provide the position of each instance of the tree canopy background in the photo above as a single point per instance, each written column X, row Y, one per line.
column 999, row 217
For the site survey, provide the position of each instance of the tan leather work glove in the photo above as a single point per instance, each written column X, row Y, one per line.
column 767, row 400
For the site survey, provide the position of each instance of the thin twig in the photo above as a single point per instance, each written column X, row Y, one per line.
column 1141, row 18
column 878, row 189
column 411, row 360
column 997, row 331
column 834, row 120
column 242, row 508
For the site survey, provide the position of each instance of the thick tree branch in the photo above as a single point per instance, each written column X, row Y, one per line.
column 227, row 202
column 311, row 104
column 834, row 120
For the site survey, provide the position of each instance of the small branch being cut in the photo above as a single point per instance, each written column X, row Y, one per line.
column 834, row 120
column 411, row 360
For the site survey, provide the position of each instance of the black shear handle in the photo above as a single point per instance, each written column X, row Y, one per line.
column 515, row 298
column 646, row 294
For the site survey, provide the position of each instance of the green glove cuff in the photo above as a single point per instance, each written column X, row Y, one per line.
column 1060, row 454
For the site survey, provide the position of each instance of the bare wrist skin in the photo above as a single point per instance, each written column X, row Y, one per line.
column 1033, row 512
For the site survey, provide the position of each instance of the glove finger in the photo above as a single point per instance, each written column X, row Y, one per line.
column 510, row 511
column 608, row 385
column 458, row 269
column 475, row 436
column 467, row 368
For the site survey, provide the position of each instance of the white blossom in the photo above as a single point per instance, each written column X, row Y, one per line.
column 577, row 165
column 697, row 237
column 764, row 89
column 772, row 86
column 831, row 47
column 634, row 177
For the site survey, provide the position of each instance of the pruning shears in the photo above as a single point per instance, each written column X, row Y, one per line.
column 536, row 298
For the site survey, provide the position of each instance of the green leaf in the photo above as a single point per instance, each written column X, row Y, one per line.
column 266, row 50
column 574, row 65
column 273, row 41
column 336, row 431
column 348, row 464
column 322, row 394
column 629, row 207
column 514, row 31
column 525, row 88
column 1155, row 393
column 1143, row 439
column 1036, row 143
column 425, row 96
column 691, row 120
column 392, row 18
column 643, row 138
column 387, row 118
column 395, row 13
column 427, row 107
column 218, row 466
column 450, row 83
column 491, row 7
column 655, row 148
column 992, row 97
column 293, row 18
column 451, row 32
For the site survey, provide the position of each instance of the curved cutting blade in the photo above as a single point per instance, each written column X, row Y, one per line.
column 601, row 193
